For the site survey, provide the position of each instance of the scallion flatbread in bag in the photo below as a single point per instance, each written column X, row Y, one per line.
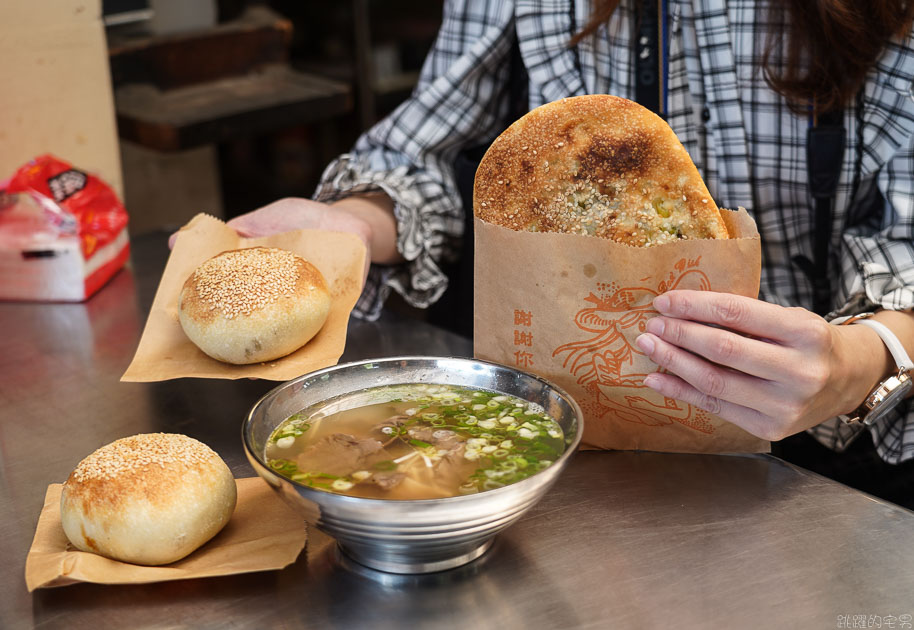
column 585, row 210
column 597, row 165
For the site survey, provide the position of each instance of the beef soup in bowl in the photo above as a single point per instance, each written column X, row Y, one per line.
column 413, row 464
column 415, row 441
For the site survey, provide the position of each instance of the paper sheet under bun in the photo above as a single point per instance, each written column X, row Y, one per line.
column 148, row 499
column 254, row 304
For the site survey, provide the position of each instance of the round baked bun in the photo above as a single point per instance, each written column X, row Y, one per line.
column 147, row 499
column 252, row 305
column 597, row 165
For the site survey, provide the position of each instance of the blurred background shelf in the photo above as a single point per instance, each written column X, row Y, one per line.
column 226, row 109
column 236, row 103
column 194, row 50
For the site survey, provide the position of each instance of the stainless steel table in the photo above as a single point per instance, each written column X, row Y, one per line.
column 632, row 540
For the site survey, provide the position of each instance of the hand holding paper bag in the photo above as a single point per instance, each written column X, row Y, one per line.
column 771, row 370
column 575, row 321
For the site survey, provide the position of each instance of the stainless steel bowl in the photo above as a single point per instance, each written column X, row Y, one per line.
column 418, row 536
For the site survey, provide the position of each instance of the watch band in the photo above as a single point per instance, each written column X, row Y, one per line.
column 879, row 395
column 850, row 319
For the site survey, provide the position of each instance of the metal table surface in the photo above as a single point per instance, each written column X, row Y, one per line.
column 632, row 540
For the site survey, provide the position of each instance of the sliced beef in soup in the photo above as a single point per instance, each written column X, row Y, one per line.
column 442, row 439
column 445, row 467
column 452, row 468
column 393, row 422
column 341, row 454
column 386, row 479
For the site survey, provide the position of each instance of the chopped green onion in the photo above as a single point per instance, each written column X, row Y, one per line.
column 511, row 440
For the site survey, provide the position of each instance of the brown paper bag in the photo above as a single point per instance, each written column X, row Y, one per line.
column 263, row 534
column 569, row 307
column 165, row 352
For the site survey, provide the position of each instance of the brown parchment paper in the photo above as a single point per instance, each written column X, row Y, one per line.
column 165, row 352
column 263, row 534
column 569, row 307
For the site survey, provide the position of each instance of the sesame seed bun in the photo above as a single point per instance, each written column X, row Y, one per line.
column 147, row 499
column 597, row 165
column 251, row 305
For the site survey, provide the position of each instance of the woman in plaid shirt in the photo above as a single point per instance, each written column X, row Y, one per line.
column 741, row 95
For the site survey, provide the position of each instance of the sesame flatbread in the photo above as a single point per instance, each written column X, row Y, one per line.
column 597, row 165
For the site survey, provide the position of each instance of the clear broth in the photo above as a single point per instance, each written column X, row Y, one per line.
column 415, row 442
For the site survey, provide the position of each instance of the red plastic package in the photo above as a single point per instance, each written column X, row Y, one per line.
column 63, row 233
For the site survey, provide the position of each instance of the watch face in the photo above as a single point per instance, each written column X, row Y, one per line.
column 891, row 392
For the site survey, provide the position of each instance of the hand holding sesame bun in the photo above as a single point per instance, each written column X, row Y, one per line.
column 597, row 165
column 147, row 499
column 251, row 305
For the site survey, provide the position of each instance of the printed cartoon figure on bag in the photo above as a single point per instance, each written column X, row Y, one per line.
column 605, row 362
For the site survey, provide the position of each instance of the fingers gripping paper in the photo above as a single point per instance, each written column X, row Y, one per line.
column 568, row 306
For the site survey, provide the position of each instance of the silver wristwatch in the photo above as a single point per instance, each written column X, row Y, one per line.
column 890, row 391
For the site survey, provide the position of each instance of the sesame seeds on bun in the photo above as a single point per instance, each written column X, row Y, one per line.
column 245, row 280
column 147, row 499
column 255, row 304
column 131, row 455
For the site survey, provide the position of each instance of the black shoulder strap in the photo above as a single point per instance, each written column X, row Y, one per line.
column 646, row 51
column 824, row 157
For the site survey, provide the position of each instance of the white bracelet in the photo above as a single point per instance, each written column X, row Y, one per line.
column 902, row 360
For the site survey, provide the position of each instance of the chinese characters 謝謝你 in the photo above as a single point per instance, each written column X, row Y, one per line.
column 523, row 338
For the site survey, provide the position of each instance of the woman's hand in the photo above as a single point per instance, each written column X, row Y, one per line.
column 773, row 371
column 292, row 213
column 370, row 217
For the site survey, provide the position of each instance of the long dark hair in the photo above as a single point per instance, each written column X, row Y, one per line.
column 824, row 50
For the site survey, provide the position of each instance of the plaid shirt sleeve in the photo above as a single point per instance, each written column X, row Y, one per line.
column 460, row 101
column 879, row 268
column 878, row 240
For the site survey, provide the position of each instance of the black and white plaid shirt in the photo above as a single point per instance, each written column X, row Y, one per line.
column 749, row 147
